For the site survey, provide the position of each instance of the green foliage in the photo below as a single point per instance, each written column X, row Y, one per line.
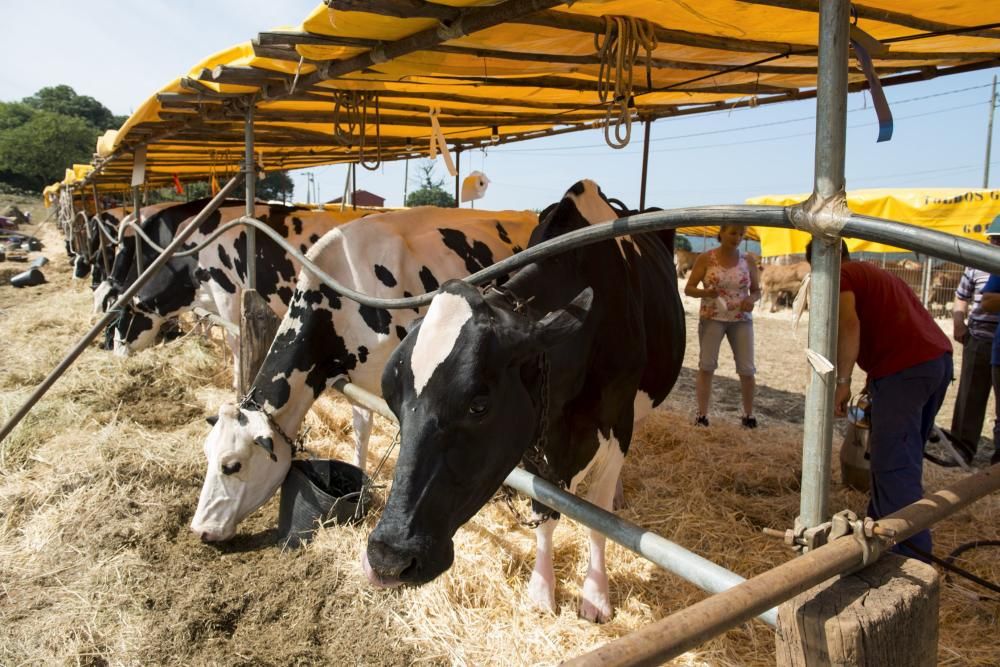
column 14, row 114
column 38, row 151
column 276, row 185
column 64, row 100
column 682, row 243
column 431, row 192
column 45, row 133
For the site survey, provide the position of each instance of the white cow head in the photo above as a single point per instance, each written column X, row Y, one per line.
column 247, row 461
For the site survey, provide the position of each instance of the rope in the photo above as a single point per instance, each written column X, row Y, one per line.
column 350, row 113
column 622, row 38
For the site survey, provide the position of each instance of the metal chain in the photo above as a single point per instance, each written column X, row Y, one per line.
column 295, row 443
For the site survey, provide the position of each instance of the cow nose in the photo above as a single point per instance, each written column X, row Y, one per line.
column 391, row 563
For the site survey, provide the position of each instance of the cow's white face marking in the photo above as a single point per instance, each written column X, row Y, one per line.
column 241, row 475
column 437, row 336
column 594, row 209
column 100, row 294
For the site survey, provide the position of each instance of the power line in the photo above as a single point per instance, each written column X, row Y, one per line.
column 742, row 128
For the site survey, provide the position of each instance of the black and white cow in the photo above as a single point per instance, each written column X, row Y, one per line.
column 324, row 337
column 215, row 277
column 553, row 369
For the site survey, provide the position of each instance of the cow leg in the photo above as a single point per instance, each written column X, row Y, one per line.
column 542, row 586
column 595, row 601
column 361, row 418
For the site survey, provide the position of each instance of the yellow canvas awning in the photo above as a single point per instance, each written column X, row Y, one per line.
column 360, row 81
column 956, row 211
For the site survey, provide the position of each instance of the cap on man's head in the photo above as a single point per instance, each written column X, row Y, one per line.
column 994, row 228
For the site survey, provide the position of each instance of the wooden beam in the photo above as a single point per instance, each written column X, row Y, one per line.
column 397, row 8
column 293, row 37
column 469, row 21
column 883, row 15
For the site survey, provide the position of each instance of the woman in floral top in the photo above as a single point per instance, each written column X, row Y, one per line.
column 729, row 290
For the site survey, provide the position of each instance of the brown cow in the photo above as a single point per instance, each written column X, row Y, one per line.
column 775, row 279
column 684, row 261
column 944, row 281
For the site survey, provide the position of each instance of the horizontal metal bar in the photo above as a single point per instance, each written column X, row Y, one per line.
column 672, row 557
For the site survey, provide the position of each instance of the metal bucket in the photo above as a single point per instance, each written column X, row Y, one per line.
column 855, row 460
column 317, row 491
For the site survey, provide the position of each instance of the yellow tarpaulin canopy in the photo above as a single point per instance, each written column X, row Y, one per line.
column 359, row 81
column 956, row 211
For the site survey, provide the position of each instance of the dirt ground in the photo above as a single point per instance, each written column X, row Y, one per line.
column 99, row 483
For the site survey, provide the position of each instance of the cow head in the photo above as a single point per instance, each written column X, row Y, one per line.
column 135, row 329
column 247, row 462
column 466, row 385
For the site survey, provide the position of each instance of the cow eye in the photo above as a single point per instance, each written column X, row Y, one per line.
column 231, row 468
column 479, row 405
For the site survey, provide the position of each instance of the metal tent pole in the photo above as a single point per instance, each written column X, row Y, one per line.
column 645, row 166
column 139, row 260
column 828, row 194
column 182, row 236
column 250, row 181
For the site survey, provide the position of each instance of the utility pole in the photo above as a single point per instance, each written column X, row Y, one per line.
column 989, row 134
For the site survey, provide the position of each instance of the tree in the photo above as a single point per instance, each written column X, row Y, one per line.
column 276, row 185
column 38, row 151
column 430, row 192
column 64, row 100
column 682, row 243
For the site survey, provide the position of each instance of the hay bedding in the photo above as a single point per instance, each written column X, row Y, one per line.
column 98, row 485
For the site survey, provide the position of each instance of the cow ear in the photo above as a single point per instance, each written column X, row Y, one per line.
column 267, row 444
column 558, row 325
column 212, row 420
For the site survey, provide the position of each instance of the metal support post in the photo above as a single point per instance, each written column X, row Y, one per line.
column 141, row 279
column 458, row 172
column 250, row 182
column 136, row 210
column 828, row 192
column 645, row 166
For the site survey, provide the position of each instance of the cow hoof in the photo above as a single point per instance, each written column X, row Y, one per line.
column 596, row 611
column 542, row 593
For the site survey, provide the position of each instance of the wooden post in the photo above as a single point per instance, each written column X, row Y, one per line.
column 258, row 326
column 886, row 614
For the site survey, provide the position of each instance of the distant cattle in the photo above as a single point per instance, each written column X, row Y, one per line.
column 684, row 261
column 217, row 274
column 944, row 281
column 324, row 336
column 553, row 369
column 777, row 279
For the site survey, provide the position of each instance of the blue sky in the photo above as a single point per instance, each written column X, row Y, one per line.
column 719, row 158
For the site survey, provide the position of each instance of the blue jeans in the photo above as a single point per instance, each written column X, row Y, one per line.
column 904, row 406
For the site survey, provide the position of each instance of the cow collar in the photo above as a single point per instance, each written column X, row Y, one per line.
column 248, row 402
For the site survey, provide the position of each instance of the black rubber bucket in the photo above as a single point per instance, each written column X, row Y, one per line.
column 318, row 491
column 29, row 278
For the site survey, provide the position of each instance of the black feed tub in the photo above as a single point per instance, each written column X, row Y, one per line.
column 318, row 491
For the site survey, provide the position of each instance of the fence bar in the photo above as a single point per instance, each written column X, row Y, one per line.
column 112, row 313
column 828, row 193
column 672, row 557
column 250, row 181
column 686, row 629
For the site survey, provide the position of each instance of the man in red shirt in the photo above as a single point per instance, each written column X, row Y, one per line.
column 884, row 329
